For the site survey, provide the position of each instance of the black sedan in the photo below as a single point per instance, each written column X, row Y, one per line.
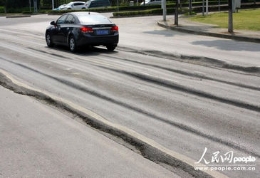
column 76, row 29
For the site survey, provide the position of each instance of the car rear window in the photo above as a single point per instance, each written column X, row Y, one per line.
column 93, row 19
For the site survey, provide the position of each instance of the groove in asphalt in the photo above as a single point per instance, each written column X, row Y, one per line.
column 185, row 89
column 186, row 73
column 204, row 61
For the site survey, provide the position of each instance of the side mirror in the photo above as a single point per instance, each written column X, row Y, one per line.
column 53, row 23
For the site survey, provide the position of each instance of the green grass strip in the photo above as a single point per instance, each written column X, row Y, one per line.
column 243, row 20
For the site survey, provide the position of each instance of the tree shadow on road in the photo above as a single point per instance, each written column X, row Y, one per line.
column 165, row 33
column 230, row 45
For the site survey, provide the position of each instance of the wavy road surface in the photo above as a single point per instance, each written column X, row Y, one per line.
column 179, row 106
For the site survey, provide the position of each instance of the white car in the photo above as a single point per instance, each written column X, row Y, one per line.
column 76, row 5
column 60, row 7
column 151, row 2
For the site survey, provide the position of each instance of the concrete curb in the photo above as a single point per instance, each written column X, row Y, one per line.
column 17, row 16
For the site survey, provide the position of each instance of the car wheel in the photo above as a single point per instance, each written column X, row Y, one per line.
column 111, row 47
column 49, row 40
column 72, row 44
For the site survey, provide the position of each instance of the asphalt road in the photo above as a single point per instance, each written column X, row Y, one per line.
column 184, row 105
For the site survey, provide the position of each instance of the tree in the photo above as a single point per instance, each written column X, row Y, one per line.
column 230, row 17
column 17, row 3
column 2, row 2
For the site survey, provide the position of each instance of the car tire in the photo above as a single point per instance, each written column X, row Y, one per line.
column 111, row 47
column 49, row 40
column 72, row 44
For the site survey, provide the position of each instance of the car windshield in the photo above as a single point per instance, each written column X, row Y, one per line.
column 70, row 4
column 93, row 19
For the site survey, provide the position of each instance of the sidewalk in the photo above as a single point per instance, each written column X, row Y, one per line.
column 188, row 26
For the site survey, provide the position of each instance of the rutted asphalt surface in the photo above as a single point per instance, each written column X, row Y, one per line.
column 150, row 78
column 138, row 144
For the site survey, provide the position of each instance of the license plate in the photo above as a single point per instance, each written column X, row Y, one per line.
column 102, row 32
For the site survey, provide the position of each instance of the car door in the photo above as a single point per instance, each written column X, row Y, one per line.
column 58, row 34
column 68, row 27
column 78, row 6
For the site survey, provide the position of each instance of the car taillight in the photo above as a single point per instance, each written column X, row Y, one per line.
column 86, row 30
column 114, row 28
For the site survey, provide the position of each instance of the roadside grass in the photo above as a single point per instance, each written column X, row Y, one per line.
column 243, row 20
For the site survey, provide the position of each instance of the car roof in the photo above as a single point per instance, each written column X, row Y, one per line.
column 91, row 18
column 84, row 13
column 73, row 2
